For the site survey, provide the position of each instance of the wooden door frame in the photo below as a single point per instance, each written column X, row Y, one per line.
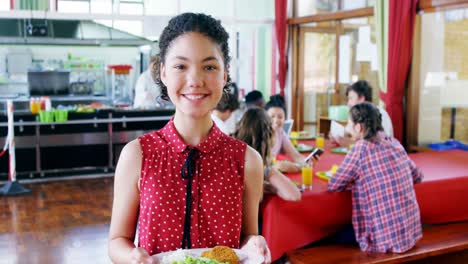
column 298, row 68
column 297, row 88
column 413, row 91
column 429, row 6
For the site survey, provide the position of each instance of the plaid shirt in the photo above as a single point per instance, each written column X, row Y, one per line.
column 385, row 211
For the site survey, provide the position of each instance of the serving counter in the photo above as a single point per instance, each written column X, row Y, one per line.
column 87, row 142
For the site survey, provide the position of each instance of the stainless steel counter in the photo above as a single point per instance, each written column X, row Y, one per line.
column 89, row 121
column 40, row 139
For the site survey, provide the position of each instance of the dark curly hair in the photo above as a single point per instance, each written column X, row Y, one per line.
column 186, row 23
column 256, row 130
column 276, row 100
column 361, row 88
column 368, row 116
column 229, row 100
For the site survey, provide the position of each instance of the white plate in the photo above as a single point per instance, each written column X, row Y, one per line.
column 244, row 256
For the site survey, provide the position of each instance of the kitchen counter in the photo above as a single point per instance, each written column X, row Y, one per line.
column 86, row 140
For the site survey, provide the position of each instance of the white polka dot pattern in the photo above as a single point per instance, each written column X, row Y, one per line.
column 217, row 189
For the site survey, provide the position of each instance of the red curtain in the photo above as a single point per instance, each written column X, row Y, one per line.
column 402, row 14
column 281, row 26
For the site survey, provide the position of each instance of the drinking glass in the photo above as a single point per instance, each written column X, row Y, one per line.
column 307, row 173
column 320, row 141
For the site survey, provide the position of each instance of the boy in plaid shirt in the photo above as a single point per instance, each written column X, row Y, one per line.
column 381, row 176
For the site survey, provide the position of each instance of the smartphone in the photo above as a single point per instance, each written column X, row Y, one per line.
column 315, row 154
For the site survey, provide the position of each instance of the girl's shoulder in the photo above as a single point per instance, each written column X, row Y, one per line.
column 228, row 145
column 152, row 142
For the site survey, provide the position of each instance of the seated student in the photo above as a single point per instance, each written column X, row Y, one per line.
column 381, row 176
column 359, row 92
column 255, row 129
column 223, row 112
column 254, row 99
column 276, row 109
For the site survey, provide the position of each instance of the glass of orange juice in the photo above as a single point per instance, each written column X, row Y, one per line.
column 320, row 141
column 34, row 106
column 294, row 134
column 307, row 172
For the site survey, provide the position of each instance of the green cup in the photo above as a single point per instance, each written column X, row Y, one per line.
column 61, row 115
column 46, row 116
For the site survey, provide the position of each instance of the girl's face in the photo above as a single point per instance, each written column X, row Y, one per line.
column 194, row 74
column 277, row 117
column 355, row 130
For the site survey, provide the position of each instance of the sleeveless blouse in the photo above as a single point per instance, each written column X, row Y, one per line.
column 217, row 191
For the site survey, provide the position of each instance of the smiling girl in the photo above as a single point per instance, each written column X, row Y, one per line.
column 187, row 185
column 276, row 109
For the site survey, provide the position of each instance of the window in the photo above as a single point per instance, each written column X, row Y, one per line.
column 161, row 7
column 309, row 8
column 217, row 8
column 4, row 5
column 331, row 54
column 443, row 96
column 101, row 6
column 69, row 6
column 131, row 7
column 358, row 55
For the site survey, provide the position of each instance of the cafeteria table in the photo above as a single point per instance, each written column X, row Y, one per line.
column 290, row 225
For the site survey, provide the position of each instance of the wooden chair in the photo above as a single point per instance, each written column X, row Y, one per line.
column 446, row 243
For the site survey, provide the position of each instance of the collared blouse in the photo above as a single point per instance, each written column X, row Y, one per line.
column 217, row 191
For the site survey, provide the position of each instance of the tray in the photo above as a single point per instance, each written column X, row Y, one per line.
column 304, row 148
column 341, row 150
column 302, row 137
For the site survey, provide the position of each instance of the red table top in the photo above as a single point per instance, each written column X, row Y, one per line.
column 291, row 225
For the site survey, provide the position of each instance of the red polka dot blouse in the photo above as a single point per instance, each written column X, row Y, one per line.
column 217, row 189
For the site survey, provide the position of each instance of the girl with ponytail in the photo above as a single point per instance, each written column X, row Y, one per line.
column 380, row 176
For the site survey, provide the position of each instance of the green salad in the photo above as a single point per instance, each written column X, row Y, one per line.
column 197, row 260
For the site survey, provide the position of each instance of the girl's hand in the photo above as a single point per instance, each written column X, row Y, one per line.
column 287, row 166
column 140, row 256
column 257, row 245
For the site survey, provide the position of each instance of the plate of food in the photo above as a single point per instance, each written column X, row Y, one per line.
column 304, row 148
column 301, row 135
column 324, row 175
column 216, row 255
column 341, row 150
